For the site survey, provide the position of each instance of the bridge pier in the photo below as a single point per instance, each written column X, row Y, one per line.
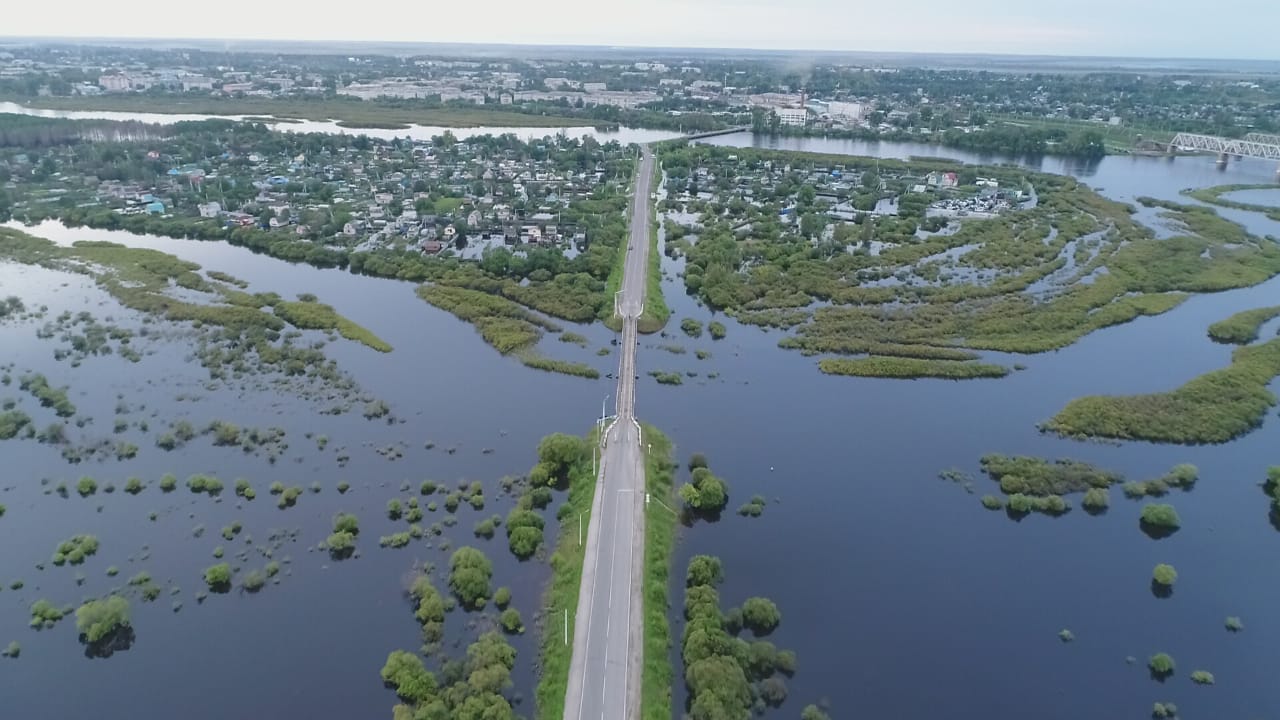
column 1278, row 174
column 1222, row 160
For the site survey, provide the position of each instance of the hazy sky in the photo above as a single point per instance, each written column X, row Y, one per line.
column 1172, row 28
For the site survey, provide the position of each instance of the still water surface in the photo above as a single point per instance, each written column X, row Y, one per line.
column 902, row 596
column 623, row 135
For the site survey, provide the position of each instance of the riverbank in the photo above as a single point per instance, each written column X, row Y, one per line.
column 354, row 113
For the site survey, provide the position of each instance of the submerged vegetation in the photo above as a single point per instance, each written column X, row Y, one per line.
column 1038, row 485
column 1214, row 408
column 1243, row 327
column 1031, row 279
column 705, row 493
column 905, row 368
column 729, row 677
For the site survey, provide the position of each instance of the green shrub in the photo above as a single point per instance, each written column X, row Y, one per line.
column 1161, row 665
column 346, row 522
column 991, row 502
column 1161, row 516
column 1234, row 625
column 502, row 598
column 469, row 575
column 704, row 570
column 717, row 330
column 98, row 619
column 706, row 493
column 395, row 540
column 87, row 486
column 254, row 580
column 218, row 576
column 168, row 482
column 340, row 543
column 760, row 615
column 44, row 614
column 1096, row 499
column 511, row 621
column 691, row 327
column 1164, row 575
column 1202, row 677
column 133, row 486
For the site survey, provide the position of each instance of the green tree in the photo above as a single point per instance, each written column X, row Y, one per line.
column 405, row 672
column 704, row 570
column 760, row 615
column 469, row 574
column 560, row 451
column 511, row 621
column 707, row 492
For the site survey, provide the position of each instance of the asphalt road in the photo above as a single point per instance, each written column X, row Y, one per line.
column 604, row 676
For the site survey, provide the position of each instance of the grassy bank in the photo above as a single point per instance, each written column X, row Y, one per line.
column 1213, row 408
column 656, row 313
column 562, row 592
column 1116, row 137
column 1213, row 196
column 907, row 368
column 355, row 113
column 659, row 535
column 1242, row 328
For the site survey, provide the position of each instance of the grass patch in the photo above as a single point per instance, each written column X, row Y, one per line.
column 564, row 367
column 659, row 535
column 1213, row 196
column 1214, row 408
column 310, row 315
column 1040, row 477
column 504, row 324
column 562, row 592
column 1242, row 328
column 895, row 367
column 656, row 313
column 573, row 337
column 666, row 378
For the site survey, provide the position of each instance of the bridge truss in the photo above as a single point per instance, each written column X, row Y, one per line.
column 1257, row 145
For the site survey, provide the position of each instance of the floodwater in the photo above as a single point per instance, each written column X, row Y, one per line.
column 623, row 135
column 902, row 596
column 1257, row 196
column 312, row 646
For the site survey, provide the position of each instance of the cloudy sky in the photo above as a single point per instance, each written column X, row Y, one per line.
column 1173, row 28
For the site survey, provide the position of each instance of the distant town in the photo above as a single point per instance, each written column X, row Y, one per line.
column 1080, row 113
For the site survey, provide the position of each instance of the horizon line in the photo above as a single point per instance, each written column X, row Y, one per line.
column 107, row 41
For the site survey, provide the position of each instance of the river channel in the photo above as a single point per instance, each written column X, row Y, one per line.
column 624, row 135
column 901, row 595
